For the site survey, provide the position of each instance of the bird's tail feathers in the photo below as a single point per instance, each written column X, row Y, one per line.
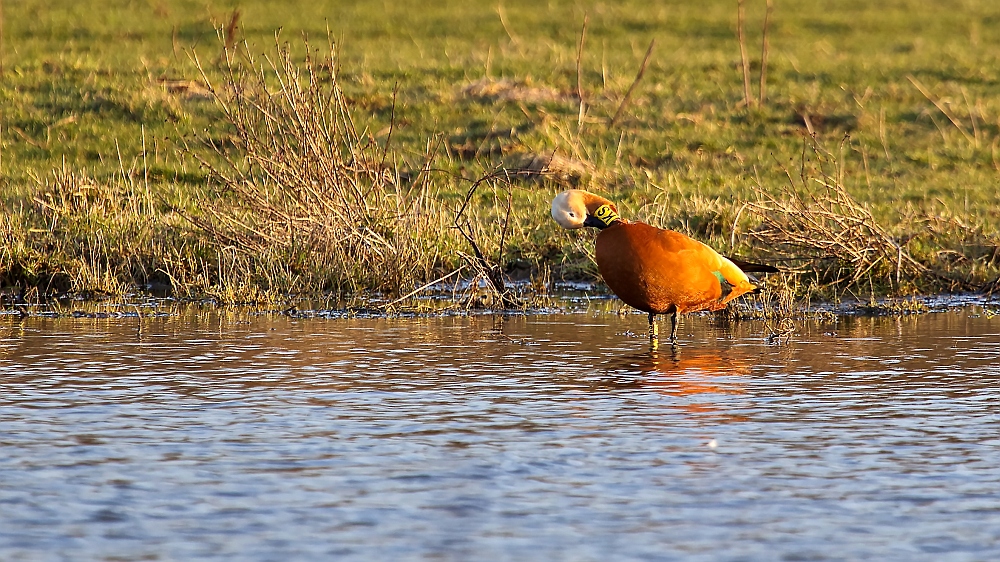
column 748, row 267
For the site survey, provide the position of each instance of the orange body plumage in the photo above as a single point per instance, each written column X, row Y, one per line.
column 654, row 270
column 662, row 271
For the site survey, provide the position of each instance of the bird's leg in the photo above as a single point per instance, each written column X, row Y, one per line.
column 673, row 328
column 654, row 332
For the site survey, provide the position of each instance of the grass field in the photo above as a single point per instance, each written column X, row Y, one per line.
column 878, row 139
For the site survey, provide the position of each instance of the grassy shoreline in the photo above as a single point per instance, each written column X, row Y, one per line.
column 871, row 168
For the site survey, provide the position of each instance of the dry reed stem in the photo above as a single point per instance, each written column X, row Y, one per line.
column 762, row 91
column 1, row 39
column 744, row 60
column 391, row 305
column 944, row 110
column 579, row 72
column 503, row 22
column 628, row 94
column 972, row 115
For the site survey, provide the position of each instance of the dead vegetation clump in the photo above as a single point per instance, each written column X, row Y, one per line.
column 517, row 91
column 549, row 165
column 816, row 228
column 830, row 234
column 470, row 144
column 967, row 252
column 187, row 89
column 308, row 201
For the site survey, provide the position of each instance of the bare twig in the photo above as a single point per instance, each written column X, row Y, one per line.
column 488, row 269
column 762, row 91
column 808, row 123
column 638, row 77
column 44, row 145
column 425, row 285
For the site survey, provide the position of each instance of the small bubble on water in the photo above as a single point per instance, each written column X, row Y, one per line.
column 712, row 444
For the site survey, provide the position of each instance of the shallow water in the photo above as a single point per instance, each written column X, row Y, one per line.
column 552, row 437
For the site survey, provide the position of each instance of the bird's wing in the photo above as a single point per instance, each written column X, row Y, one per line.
column 697, row 254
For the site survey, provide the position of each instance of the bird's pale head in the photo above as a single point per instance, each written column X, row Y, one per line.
column 576, row 208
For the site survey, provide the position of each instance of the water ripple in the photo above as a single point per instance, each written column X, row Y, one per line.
column 258, row 438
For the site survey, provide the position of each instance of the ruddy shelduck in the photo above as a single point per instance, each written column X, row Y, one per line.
column 654, row 270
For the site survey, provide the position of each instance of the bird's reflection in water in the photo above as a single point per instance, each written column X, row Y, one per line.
column 686, row 376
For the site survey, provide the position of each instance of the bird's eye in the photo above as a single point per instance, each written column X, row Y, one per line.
column 572, row 215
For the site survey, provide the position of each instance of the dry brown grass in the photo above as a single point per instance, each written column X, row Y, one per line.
column 308, row 200
column 81, row 235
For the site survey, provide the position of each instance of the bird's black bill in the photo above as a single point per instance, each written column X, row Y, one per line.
column 595, row 222
column 598, row 223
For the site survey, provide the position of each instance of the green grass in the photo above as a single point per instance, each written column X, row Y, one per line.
column 80, row 89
